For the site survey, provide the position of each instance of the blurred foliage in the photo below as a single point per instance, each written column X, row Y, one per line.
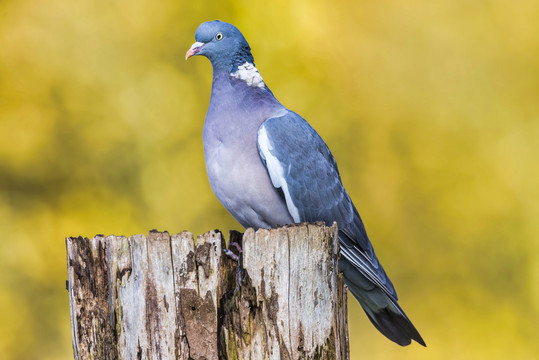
column 431, row 109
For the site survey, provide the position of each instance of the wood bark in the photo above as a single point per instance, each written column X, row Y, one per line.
column 169, row 297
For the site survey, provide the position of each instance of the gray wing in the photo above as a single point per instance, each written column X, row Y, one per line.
column 301, row 165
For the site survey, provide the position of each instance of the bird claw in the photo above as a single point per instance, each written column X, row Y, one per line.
column 228, row 252
column 239, row 273
column 236, row 245
column 231, row 255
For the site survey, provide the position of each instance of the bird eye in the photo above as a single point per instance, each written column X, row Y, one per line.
column 219, row 36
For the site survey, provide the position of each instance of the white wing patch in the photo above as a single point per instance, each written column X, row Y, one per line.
column 276, row 171
column 249, row 73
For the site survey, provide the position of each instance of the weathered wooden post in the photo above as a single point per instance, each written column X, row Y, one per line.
column 169, row 297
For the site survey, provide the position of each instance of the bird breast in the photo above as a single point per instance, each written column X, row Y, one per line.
column 241, row 182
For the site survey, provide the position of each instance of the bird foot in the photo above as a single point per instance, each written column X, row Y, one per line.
column 236, row 256
column 231, row 255
column 236, row 245
column 228, row 252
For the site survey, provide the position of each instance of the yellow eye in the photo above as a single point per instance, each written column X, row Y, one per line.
column 219, row 36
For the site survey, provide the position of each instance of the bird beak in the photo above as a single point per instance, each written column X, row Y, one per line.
column 195, row 49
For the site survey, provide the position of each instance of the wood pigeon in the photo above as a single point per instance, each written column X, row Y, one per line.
column 269, row 167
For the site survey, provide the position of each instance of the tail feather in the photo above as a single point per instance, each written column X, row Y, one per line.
column 370, row 285
column 395, row 326
column 387, row 316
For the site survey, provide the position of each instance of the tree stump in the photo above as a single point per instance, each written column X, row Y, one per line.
column 169, row 297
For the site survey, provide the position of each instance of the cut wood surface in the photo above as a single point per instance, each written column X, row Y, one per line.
column 169, row 297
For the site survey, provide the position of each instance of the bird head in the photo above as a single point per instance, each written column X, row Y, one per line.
column 222, row 43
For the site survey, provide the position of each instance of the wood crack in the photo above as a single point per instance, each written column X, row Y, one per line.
column 167, row 297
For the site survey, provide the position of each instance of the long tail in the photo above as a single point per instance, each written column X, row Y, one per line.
column 385, row 314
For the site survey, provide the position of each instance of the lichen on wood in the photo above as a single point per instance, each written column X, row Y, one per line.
column 171, row 297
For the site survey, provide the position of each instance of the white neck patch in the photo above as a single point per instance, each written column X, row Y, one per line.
column 249, row 73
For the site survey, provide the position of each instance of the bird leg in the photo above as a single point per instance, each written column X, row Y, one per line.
column 228, row 252
column 231, row 255
column 237, row 256
column 234, row 243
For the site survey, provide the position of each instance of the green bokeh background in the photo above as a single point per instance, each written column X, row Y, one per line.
column 430, row 108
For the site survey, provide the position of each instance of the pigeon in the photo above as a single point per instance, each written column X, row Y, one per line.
column 269, row 167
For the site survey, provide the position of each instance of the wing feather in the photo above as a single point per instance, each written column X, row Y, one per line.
column 300, row 163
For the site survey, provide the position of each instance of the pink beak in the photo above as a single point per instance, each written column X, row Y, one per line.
column 195, row 49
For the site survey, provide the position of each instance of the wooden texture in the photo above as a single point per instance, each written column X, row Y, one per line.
column 169, row 297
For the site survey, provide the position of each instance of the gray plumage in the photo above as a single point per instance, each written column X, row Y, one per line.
column 269, row 167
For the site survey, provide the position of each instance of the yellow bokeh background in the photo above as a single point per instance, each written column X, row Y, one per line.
column 430, row 108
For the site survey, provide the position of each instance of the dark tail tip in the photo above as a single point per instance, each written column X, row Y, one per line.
column 395, row 326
